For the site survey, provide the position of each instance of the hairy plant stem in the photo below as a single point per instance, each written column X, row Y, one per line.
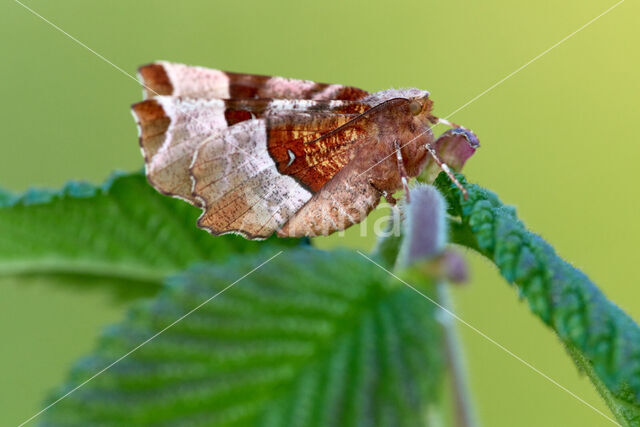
column 465, row 414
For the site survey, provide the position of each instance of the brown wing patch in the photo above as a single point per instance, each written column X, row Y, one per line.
column 314, row 146
column 247, row 86
column 308, row 147
column 153, row 123
column 155, row 80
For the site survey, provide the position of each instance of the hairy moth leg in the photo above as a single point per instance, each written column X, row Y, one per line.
column 447, row 170
column 402, row 171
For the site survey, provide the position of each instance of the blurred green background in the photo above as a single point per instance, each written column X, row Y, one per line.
column 558, row 141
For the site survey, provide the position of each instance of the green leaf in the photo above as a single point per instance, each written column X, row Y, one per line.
column 123, row 229
column 5, row 197
column 603, row 340
column 312, row 338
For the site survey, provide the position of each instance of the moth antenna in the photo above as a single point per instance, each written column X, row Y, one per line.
column 447, row 170
column 403, row 172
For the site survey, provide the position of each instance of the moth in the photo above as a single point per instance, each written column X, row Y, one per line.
column 263, row 155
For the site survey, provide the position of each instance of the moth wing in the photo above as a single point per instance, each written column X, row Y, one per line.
column 345, row 200
column 337, row 167
column 171, row 128
column 247, row 182
column 167, row 78
column 240, row 109
column 314, row 147
column 239, row 187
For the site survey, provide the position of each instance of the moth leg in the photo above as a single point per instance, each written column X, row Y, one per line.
column 447, row 170
column 387, row 196
column 402, row 170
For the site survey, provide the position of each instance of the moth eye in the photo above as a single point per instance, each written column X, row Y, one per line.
column 415, row 107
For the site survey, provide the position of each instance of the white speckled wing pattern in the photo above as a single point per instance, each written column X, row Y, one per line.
column 169, row 154
column 239, row 187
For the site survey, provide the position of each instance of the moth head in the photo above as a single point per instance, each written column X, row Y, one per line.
column 420, row 106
